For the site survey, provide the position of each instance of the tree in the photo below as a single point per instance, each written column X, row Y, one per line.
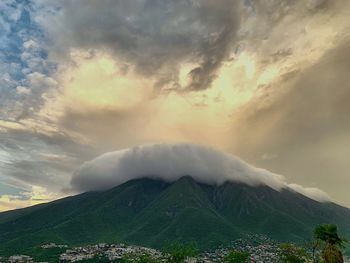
column 290, row 253
column 332, row 244
column 178, row 252
column 314, row 246
column 237, row 257
column 329, row 234
column 332, row 254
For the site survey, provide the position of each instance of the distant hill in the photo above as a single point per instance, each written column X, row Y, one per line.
column 150, row 212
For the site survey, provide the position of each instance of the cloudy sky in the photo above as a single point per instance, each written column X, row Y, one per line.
column 264, row 80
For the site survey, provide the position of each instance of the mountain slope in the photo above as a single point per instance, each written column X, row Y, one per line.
column 182, row 212
column 151, row 212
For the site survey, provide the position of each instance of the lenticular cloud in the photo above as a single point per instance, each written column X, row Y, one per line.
column 170, row 162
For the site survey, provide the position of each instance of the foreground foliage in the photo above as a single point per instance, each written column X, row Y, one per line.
column 146, row 258
column 293, row 254
column 331, row 245
column 178, row 252
column 237, row 257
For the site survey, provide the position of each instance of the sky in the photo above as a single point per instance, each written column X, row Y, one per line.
column 264, row 80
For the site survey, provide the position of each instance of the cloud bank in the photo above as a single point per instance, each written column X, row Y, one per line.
column 170, row 162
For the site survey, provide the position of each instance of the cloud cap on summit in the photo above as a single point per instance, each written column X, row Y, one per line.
column 169, row 162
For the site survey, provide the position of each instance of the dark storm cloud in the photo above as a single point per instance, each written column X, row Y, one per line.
column 275, row 10
column 154, row 36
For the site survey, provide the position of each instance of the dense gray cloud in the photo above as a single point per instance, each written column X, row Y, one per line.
column 153, row 36
column 170, row 162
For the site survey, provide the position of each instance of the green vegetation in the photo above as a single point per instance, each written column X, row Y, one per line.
column 293, row 254
column 150, row 212
column 92, row 260
column 177, row 252
column 45, row 255
column 146, row 258
column 327, row 239
column 237, row 257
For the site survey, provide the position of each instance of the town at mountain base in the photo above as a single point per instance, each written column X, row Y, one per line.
column 325, row 247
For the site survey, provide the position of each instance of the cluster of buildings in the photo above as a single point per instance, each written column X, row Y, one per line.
column 53, row 245
column 113, row 252
column 116, row 252
column 20, row 259
column 260, row 249
column 83, row 253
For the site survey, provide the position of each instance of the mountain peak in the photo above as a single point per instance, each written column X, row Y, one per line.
column 186, row 178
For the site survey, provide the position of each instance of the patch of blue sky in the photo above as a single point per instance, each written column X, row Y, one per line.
column 7, row 189
column 22, row 44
